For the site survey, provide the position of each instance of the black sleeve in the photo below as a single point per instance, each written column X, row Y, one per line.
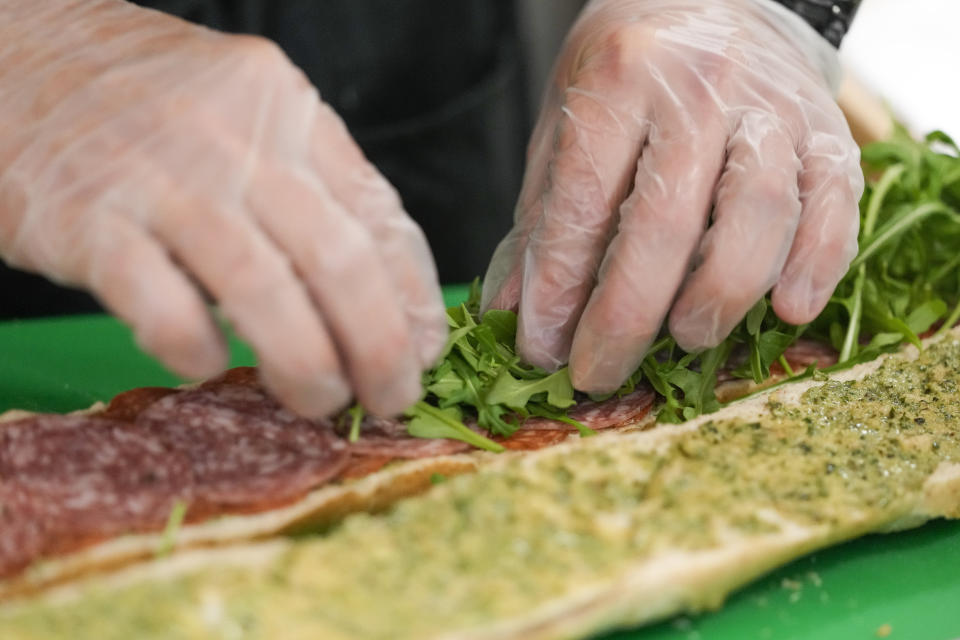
column 830, row 18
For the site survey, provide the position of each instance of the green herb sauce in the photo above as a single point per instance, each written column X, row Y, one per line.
column 505, row 541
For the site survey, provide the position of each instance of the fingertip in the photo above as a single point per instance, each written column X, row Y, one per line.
column 192, row 353
column 431, row 343
column 430, row 331
column 798, row 302
column 809, row 280
column 695, row 328
column 539, row 345
column 596, row 364
column 393, row 396
column 136, row 280
column 317, row 395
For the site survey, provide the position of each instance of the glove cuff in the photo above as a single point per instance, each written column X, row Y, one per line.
column 820, row 53
column 830, row 18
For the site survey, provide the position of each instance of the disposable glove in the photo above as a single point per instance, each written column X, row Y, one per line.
column 152, row 161
column 689, row 157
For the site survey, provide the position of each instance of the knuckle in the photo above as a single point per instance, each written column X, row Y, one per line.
column 244, row 276
column 777, row 189
column 667, row 218
column 617, row 51
column 377, row 199
column 348, row 259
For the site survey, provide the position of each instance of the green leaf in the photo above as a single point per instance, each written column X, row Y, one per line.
column 472, row 305
column 446, row 383
column 897, row 226
column 764, row 351
column 755, row 316
column 168, row 539
column 515, row 394
column 538, row 409
column 942, row 138
column 431, row 422
column 502, row 324
column 454, row 338
column 490, row 417
column 923, row 317
column 698, row 386
column 356, row 414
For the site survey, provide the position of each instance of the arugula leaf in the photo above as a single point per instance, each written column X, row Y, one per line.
column 503, row 325
column 168, row 539
column 515, row 394
column 446, row 384
column 356, row 414
column 755, row 317
column 431, row 422
column 923, row 317
column 540, row 410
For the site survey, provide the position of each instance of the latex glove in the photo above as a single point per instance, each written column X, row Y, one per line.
column 688, row 155
column 149, row 159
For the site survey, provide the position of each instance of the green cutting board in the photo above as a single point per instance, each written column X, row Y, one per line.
column 907, row 584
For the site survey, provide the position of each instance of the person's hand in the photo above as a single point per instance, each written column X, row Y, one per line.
column 689, row 155
column 152, row 161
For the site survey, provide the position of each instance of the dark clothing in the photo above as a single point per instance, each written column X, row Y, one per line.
column 432, row 90
column 830, row 18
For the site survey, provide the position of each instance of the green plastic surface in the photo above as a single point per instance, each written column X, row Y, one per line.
column 909, row 581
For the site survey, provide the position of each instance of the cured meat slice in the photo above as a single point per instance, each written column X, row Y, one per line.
column 22, row 537
column 380, row 437
column 129, row 404
column 362, row 466
column 246, row 453
column 243, row 376
column 612, row 412
column 67, row 480
column 533, row 439
column 804, row 352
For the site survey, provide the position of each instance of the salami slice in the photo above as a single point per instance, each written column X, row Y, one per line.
column 387, row 437
column 612, row 412
column 360, row 466
column 533, row 439
column 22, row 535
column 129, row 404
column 67, row 480
column 804, row 352
column 246, row 453
column 243, row 376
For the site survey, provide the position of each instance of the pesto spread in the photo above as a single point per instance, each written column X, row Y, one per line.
column 502, row 542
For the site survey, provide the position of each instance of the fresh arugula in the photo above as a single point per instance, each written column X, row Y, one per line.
column 903, row 282
column 480, row 382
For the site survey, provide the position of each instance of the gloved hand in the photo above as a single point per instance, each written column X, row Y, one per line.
column 149, row 160
column 689, row 155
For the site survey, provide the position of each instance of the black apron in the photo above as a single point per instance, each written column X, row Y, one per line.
column 432, row 90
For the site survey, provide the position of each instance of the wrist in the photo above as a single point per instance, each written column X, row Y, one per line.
column 818, row 51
